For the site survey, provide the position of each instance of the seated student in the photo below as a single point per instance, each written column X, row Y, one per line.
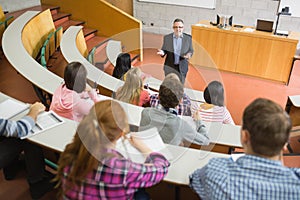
column 123, row 64
column 173, row 129
column 74, row 98
column 132, row 91
column 11, row 146
column 213, row 110
column 90, row 167
column 259, row 174
column 184, row 106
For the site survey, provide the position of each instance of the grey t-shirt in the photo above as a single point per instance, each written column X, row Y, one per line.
column 172, row 128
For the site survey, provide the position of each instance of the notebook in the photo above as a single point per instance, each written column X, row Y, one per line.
column 10, row 108
column 150, row 137
column 264, row 25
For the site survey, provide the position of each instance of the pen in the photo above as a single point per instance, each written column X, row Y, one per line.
column 95, row 85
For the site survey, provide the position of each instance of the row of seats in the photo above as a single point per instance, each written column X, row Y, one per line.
column 50, row 46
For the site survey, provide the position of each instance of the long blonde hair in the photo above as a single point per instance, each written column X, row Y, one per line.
column 104, row 124
column 131, row 90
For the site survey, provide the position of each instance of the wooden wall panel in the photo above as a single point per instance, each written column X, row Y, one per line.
column 260, row 54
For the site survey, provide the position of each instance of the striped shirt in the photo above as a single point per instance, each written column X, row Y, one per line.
column 117, row 178
column 20, row 128
column 214, row 114
column 250, row 177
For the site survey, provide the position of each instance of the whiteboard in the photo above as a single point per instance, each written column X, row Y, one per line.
column 211, row 4
column 294, row 6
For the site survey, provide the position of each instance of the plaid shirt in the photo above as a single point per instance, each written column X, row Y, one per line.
column 183, row 108
column 117, row 178
column 250, row 177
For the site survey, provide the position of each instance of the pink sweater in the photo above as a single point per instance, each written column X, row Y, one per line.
column 72, row 105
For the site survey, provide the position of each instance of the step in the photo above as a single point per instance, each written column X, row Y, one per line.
column 60, row 18
column 96, row 41
column 69, row 23
column 89, row 33
column 15, row 14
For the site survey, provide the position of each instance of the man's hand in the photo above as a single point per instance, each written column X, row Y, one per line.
column 160, row 52
column 188, row 56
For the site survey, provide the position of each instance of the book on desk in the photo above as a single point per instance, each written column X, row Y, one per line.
column 44, row 121
column 10, row 109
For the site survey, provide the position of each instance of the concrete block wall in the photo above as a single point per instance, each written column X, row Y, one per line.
column 158, row 18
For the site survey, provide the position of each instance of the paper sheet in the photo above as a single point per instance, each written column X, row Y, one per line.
column 10, row 108
column 150, row 137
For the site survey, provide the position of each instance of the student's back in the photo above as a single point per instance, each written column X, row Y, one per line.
column 213, row 110
column 74, row 98
column 171, row 127
column 259, row 174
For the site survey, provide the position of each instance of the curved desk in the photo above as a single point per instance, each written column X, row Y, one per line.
column 228, row 135
column 19, row 58
column 71, row 53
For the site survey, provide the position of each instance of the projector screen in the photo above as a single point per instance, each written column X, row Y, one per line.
column 211, row 4
column 294, row 7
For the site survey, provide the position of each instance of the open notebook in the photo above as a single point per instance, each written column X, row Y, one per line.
column 11, row 108
column 44, row 121
column 150, row 137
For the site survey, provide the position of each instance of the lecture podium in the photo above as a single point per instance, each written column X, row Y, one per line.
column 244, row 51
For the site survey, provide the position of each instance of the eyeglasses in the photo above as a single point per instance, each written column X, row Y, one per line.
column 177, row 26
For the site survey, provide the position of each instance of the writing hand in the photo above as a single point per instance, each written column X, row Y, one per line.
column 35, row 109
column 140, row 145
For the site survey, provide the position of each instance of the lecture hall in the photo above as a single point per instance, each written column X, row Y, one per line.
column 248, row 51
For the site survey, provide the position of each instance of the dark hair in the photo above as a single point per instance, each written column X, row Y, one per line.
column 75, row 77
column 268, row 125
column 214, row 93
column 123, row 64
column 170, row 93
column 178, row 20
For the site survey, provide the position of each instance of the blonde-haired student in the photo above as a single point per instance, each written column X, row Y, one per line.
column 132, row 91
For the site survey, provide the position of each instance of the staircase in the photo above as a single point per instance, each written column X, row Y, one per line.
column 57, row 62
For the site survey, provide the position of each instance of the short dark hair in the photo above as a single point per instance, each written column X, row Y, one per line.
column 75, row 77
column 178, row 20
column 268, row 125
column 170, row 93
column 214, row 93
column 123, row 64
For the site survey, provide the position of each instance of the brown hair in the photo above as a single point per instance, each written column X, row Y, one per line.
column 170, row 92
column 268, row 125
column 103, row 125
column 75, row 77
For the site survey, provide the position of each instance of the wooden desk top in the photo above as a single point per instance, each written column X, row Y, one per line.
column 292, row 37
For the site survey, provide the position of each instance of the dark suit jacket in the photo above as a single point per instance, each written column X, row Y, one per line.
column 169, row 51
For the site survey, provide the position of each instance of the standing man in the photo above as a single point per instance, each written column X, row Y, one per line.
column 178, row 49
